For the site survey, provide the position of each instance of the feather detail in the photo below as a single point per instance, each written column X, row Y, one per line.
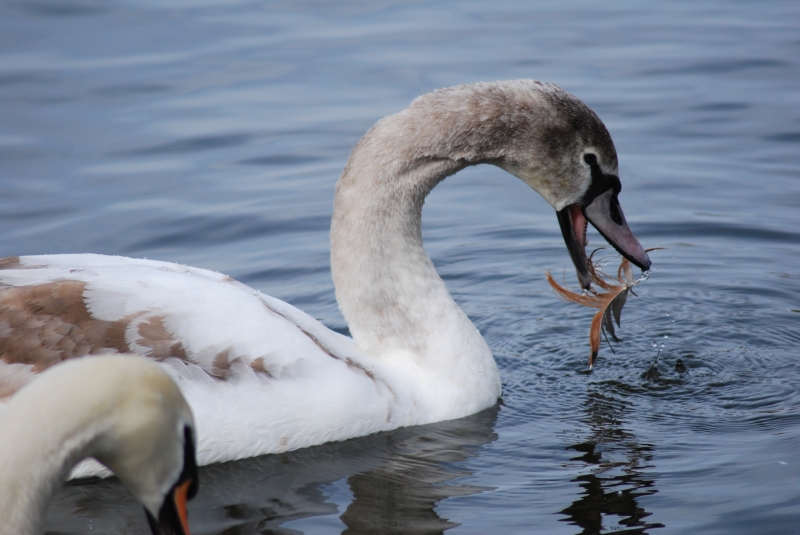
column 609, row 303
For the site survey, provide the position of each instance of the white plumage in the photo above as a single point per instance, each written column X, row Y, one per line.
column 123, row 411
column 264, row 377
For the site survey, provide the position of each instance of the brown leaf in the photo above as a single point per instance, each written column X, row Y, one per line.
column 609, row 303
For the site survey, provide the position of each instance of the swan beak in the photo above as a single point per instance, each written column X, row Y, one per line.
column 605, row 214
column 173, row 519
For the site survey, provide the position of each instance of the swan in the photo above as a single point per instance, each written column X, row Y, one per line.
column 123, row 411
column 414, row 356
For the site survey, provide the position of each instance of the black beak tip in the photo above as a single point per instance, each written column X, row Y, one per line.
column 643, row 263
column 585, row 280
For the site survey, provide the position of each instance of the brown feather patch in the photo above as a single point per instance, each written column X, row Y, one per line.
column 44, row 324
column 153, row 334
column 12, row 262
column 259, row 367
column 221, row 365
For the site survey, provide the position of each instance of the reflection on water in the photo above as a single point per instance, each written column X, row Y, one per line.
column 396, row 480
column 400, row 496
column 616, row 479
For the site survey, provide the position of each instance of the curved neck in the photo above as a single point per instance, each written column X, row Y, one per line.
column 397, row 306
column 386, row 284
column 38, row 451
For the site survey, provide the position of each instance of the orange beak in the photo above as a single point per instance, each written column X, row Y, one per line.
column 180, row 496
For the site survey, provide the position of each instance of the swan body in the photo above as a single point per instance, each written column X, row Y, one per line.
column 414, row 358
column 123, row 411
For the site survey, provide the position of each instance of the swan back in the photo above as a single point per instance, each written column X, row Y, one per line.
column 122, row 410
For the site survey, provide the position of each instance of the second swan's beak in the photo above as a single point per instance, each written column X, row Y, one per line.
column 605, row 214
column 173, row 518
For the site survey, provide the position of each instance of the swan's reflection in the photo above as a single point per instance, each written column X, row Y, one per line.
column 616, row 480
column 396, row 479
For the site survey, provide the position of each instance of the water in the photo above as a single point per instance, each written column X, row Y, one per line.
column 211, row 133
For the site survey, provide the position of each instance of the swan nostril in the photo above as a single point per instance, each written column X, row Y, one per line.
column 616, row 213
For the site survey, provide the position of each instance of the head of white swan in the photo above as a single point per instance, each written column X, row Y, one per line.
column 125, row 412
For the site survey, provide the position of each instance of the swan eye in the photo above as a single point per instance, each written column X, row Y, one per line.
column 590, row 159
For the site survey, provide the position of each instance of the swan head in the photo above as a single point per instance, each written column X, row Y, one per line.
column 150, row 444
column 127, row 413
column 559, row 147
column 171, row 516
column 564, row 152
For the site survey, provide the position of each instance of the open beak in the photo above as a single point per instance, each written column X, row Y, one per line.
column 605, row 214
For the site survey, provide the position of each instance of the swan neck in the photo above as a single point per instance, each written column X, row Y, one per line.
column 387, row 287
column 36, row 462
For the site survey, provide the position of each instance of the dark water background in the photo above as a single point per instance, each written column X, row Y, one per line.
column 211, row 133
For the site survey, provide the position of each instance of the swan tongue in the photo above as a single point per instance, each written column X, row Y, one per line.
column 573, row 227
column 605, row 214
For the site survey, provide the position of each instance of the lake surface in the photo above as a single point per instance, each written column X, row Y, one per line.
column 211, row 133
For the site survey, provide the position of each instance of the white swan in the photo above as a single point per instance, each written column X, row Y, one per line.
column 414, row 357
column 123, row 411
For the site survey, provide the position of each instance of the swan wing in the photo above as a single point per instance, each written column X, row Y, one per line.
column 260, row 375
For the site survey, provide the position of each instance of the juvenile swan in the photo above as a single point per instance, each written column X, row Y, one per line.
column 123, row 411
column 262, row 376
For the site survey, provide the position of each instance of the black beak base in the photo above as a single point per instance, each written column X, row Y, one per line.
column 172, row 517
column 168, row 522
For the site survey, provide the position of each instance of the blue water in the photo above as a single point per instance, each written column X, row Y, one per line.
column 211, row 133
